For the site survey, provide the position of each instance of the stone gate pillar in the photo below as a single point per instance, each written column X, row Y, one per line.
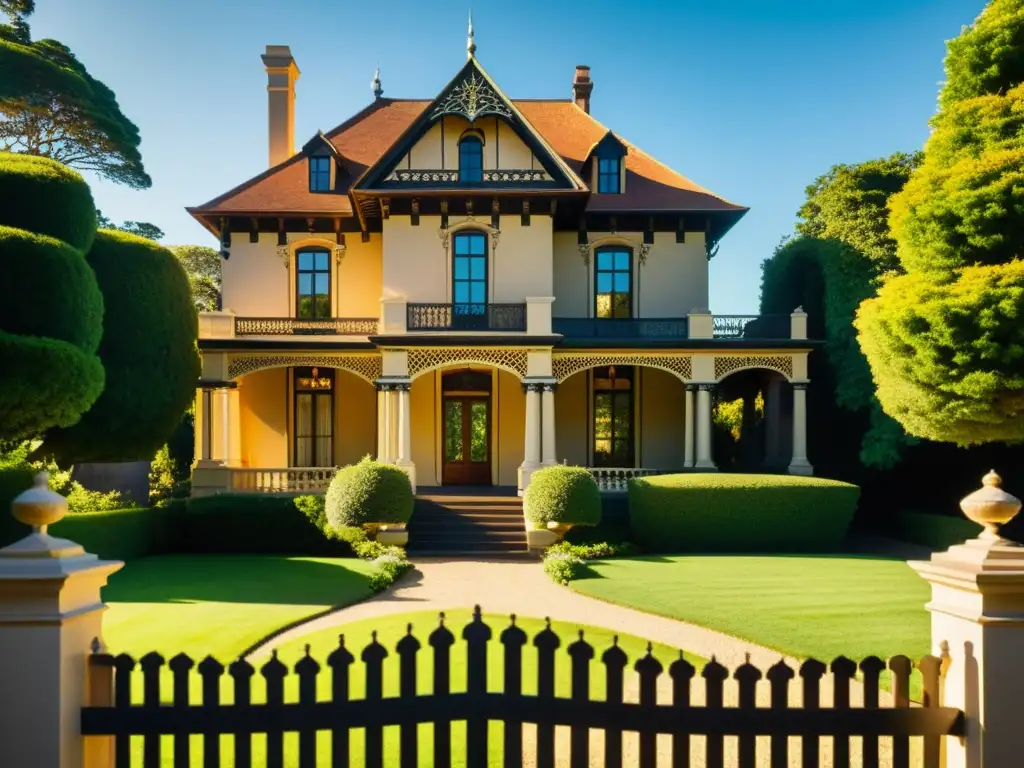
column 50, row 614
column 977, row 608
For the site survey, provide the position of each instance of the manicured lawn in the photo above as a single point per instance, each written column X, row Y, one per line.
column 221, row 605
column 813, row 606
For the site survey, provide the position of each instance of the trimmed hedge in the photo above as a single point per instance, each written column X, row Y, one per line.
column 13, row 480
column 938, row 532
column 369, row 492
column 562, row 494
column 44, row 196
column 124, row 534
column 148, row 350
column 740, row 513
column 264, row 525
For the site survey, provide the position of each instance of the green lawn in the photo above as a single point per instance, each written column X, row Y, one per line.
column 813, row 606
column 389, row 631
column 221, row 604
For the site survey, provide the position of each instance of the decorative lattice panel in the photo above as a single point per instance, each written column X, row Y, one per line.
column 366, row 367
column 565, row 366
column 724, row 365
column 511, row 360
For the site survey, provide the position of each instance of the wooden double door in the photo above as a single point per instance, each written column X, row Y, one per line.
column 466, row 423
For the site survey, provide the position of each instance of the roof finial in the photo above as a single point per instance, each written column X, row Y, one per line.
column 470, row 45
column 378, row 90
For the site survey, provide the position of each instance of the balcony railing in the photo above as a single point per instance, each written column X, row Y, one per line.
column 616, row 479
column 751, row 326
column 466, row 317
column 639, row 328
column 284, row 480
column 283, row 326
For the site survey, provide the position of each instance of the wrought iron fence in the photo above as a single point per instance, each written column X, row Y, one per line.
column 466, row 317
column 276, row 326
column 113, row 712
column 667, row 329
column 763, row 327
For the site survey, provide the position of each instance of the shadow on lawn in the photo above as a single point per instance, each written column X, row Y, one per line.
column 270, row 579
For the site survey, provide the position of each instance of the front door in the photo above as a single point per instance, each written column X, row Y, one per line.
column 467, row 439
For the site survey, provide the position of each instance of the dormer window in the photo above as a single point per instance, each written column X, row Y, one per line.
column 471, row 159
column 609, row 173
column 320, row 174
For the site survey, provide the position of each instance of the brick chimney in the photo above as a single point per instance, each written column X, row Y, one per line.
column 282, row 73
column 582, row 87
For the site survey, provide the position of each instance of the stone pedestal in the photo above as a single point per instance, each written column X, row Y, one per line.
column 50, row 614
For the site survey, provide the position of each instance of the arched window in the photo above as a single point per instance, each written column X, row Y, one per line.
column 613, row 282
column 471, row 159
column 313, row 284
column 469, row 279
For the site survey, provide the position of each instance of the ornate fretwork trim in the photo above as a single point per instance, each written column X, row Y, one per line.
column 523, row 176
column 724, row 365
column 564, row 366
column 472, row 98
column 366, row 367
column 423, row 360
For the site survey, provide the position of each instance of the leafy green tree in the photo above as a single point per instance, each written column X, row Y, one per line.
column 140, row 228
column 148, row 350
column 202, row 265
column 51, row 309
column 945, row 342
column 51, row 106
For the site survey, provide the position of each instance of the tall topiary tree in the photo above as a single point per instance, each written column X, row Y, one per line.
column 945, row 342
column 148, row 350
column 51, row 309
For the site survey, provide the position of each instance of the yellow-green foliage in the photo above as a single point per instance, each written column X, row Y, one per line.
column 561, row 494
column 369, row 492
column 719, row 512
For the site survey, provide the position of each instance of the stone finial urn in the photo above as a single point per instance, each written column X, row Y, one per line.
column 990, row 506
column 39, row 507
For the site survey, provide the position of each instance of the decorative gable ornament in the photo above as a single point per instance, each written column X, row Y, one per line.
column 472, row 98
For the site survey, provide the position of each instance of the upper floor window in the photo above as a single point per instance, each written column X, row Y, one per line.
column 320, row 174
column 614, row 283
column 609, row 175
column 471, row 159
column 469, row 275
column 313, row 284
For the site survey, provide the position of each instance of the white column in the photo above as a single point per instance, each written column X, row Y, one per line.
column 547, row 432
column 385, row 450
column 381, row 424
column 688, row 429
column 703, row 426
column 977, row 616
column 225, row 425
column 393, row 424
column 799, row 465
column 207, row 418
column 405, row 434
column 531, row 450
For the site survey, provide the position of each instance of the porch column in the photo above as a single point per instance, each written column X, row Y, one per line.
column 405, row 433
column 206, row 452
column 799, row 465
column 381, row 423
column 225, row 425
column 531, row 451
column 384, row 449
column 704, row 460
column 547, row 432
column 688, row 429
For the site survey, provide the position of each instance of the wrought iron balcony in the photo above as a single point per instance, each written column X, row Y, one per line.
column 466, row 317
column 663, row 329
column 760, row 327
column 282, row 326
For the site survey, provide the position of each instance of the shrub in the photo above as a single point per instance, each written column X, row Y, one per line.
column 251, row 524
column 14, row 478
column 740, row 513
column 566, row 495
column 388, row 567
column 148, row 350
column 124, row 534
column 563, row 567
column 937, row 532
column 44, row 196
column 592, row 551
column 82, row 501
column 369, row 492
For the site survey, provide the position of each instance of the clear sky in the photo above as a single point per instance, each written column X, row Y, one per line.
column 752, row 99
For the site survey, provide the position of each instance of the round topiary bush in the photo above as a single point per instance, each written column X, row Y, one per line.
column 148, row 350
column 562, row 495
column 369, row 492
column 43, row 196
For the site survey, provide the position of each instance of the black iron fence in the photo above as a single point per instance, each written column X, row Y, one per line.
column 264, row 710
column 466, row 317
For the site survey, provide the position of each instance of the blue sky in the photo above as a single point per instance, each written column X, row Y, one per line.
column 750, row 98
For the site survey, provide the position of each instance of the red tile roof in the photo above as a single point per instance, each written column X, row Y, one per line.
column 361, row 140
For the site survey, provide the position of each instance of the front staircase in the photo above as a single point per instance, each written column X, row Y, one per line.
column 467, row 522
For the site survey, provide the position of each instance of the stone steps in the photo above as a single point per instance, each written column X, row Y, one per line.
column 474, row 523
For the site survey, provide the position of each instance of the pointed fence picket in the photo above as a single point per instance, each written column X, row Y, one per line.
column 111, row 677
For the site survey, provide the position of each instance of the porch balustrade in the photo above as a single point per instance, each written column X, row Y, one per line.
column 616, row 479
column 281, row 480
column 283, row 326
column 666, row 329
column 466, row 317
column 760, row 327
